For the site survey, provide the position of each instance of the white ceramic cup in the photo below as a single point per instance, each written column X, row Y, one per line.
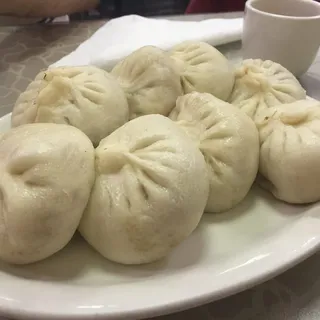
column 284, row 31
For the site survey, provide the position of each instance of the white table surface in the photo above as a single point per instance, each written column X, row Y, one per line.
column 294, row 295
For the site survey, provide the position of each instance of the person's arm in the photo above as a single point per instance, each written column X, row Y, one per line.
column 44, row 8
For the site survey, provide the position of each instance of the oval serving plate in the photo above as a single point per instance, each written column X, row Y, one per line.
column 226, row 254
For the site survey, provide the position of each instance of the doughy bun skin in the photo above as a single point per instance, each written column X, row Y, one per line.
column 263, row 84
column 203, row 69
column 46, row 175
column 85, row 97
column 290, row 151
column 150, row 191
column 229, row 142
column 150, row 80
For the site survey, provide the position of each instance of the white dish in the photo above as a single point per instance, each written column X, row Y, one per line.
column 226, row 254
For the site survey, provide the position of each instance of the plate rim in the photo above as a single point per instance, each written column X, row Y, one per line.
column 305, row 238
column 309, row 240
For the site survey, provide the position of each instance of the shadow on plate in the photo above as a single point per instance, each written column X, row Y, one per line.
column 252, row 220
column 282, row 207
column 254, row 199
column 241, row 209
column 78, row 262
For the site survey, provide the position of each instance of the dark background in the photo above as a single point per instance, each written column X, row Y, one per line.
column 116, row 8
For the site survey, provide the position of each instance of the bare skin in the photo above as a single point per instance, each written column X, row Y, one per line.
column 44, row 8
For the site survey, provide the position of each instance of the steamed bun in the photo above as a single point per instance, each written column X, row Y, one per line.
column 85, row 97
column 229, row 142
column 150, row 191
column 203, row 69
column 47, row 171
column 290, row 151
column 263, row 84
column 150, row 80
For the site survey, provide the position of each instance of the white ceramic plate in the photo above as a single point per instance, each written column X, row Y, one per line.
column 226, row 254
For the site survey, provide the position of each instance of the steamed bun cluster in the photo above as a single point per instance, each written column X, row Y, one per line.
column 148, row 81
column 147, row 196
column 288, row 125
column 177, row 133
column 135, row 197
